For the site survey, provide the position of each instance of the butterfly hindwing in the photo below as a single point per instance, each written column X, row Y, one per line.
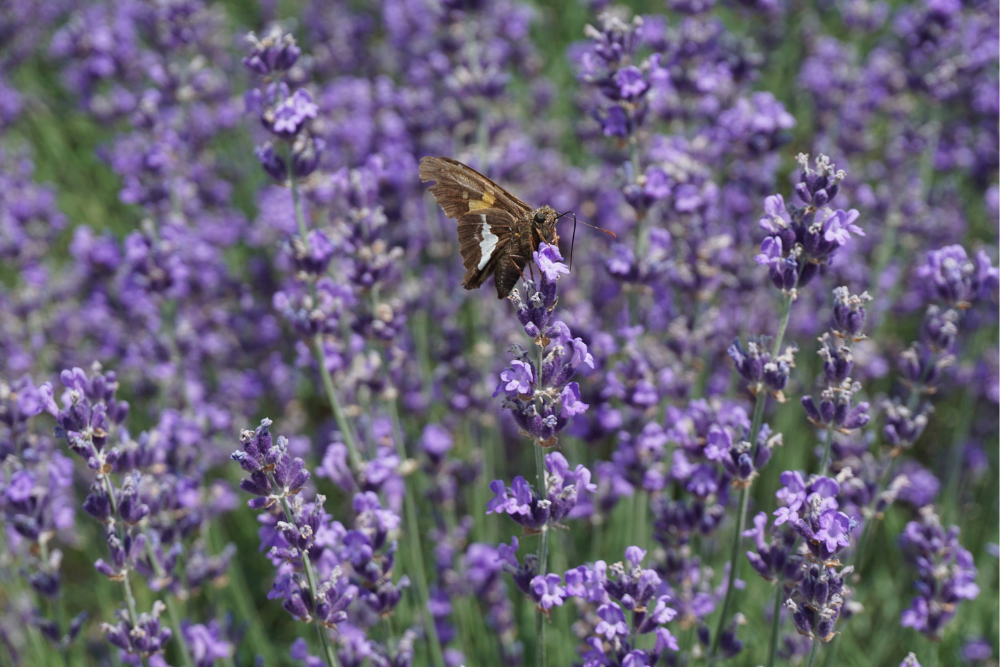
column 484, row 238
column 460, row 189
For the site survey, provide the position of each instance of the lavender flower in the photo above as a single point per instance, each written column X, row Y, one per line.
column 144, row 637
column 956, row 279
column 811, row 509
column 761, row 372
column 801, row 239
column 564, row 487
column 615, row 590
column 310, row 550
column 542, row 398
column 946, row 574
column 817, row 601
column 836, row 411
column 273, row 55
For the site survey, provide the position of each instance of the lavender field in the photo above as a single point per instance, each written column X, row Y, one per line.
column 261, row 406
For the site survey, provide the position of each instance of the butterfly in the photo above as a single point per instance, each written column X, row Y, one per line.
column 497, row 232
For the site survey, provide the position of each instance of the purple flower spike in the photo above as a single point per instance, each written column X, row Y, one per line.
column 946, row 574
column 277, row 52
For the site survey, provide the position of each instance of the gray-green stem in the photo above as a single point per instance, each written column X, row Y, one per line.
column 870, row 520
column 133, row 615
column 813, row 653
column 741, row 522
column 172, row 611
column 785, row 316
column 346, row 432
column 825, row 463
column 543, row 542
column 415, row 546
column 772, row 647
column 57, row 604
column 329, row 655
column 318, row 352
column 741, row 518
column 543, row 554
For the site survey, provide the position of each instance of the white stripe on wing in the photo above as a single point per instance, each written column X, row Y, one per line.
column 488, row 244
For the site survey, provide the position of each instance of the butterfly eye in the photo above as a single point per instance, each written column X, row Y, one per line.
column 539, row 218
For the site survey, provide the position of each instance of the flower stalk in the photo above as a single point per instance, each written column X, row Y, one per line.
column 741, row 518
column 329, row 655
column 543, row 556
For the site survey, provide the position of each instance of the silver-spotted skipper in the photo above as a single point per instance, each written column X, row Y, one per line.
column 497, row 232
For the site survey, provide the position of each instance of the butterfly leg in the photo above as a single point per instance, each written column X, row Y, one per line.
column 513, row 260
column 531, row 265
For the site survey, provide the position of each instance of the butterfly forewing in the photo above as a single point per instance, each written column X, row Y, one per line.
column 460, row 189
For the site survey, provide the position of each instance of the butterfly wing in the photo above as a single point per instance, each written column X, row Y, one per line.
column 485, row 238
column 487, row 221
column 460, row 189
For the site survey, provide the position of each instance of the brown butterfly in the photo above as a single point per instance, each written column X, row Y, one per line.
column 497, row 232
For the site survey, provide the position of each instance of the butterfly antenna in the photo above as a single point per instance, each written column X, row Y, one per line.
column 572, row 243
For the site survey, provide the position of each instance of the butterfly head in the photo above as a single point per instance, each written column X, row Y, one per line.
column 544, row 222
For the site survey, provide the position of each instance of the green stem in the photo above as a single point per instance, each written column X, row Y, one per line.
column 320, row 354
column 133, row 615
column 870, row 521
column 175, row 625
column 786, row 313
column 953, row 465
column 741, row 522
column 346, row 432
column 825, row 463
column 300, row 218
column 172, row 611
column 543, row 554
column 734, row 567
column 329, row 655
column 772, row 647
column 813, row 653
column 415, row 547
column 758, row 419
column 741, row 518
column 57, row 604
